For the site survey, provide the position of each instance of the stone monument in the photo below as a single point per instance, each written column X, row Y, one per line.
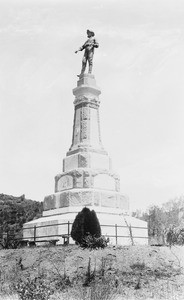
column 87, row 177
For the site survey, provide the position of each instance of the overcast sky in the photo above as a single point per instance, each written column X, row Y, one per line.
column 139, row 67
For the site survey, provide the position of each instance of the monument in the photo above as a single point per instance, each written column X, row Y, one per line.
column 87, row 177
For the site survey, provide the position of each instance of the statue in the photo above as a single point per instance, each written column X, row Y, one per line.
column 89, row 46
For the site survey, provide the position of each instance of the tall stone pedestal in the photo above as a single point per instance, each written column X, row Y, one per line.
column 87, row 179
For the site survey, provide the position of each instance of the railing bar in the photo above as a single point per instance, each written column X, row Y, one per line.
column 50, row 225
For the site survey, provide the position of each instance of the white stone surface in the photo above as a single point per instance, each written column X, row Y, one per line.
column 102, row 181
column 65, row 182
column 99, row 161
column 86, row 196
column 70, row 163
column 108, row 226
column 76, row 209
column 91, row 160
column 77, row 128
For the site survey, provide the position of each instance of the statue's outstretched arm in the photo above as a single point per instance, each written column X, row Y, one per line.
column 81, row 48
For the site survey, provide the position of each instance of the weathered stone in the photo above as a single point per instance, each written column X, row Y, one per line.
column 87, row 180
column 70, row 163
column 62, row 199
column 99, row 161
column 78, row 180
column 49, row 202
column 64, row 183
column 108, row 199
column 83, row 160
column 102, row 181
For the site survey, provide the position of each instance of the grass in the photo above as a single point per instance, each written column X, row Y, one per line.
column 55, row 273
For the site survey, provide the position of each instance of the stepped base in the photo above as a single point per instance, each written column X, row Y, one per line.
column 59, row 223
column 86, row 197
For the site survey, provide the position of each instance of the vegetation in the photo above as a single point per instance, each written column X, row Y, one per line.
column 14, row 212
column 86, row 229
column 163, row 219
column 93, row 242
column 72, row 272
column 175, row 236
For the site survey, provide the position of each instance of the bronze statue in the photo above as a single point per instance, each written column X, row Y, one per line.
column 89, row 46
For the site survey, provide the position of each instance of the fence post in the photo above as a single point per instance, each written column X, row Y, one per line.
column 34, row 233
column 68, row 231
column 116, row 233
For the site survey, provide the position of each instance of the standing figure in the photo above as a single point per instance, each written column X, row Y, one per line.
column 89, row 46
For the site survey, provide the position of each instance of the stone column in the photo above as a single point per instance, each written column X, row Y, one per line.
column 86, row 127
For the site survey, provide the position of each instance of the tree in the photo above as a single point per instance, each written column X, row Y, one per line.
column 15, row 211
column 86, row 223
column 163, row 220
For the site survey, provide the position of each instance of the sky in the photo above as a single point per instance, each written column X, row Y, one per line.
column 139, row 67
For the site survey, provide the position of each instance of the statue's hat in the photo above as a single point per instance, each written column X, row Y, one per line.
column 90, row 32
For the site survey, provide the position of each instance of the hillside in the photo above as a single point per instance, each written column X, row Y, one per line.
column 14, row 211
column 69, row 272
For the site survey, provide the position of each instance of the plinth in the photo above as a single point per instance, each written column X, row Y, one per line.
column 87, row 179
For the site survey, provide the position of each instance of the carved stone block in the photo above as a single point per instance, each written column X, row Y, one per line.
column 87, row 180
column 62, row 200
column 84, row 126
column 70, row 162
column 104, row 181
column 75, row 198
column 87, row 198
column 99, row 161
column 85, row 113
column 124, row 202
column 77, row 130
column 96, row 198
column 83, row 161
column 108, row 200
column 78, row 180
column 65, row 182
column 49, row 202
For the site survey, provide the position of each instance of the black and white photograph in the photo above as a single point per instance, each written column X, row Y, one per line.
column 91, row 149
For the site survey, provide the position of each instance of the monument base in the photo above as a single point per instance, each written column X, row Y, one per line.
column 120, row 228
column 87, row 180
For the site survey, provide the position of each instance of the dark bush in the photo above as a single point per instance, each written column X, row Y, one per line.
column 86, row 223
column 9, row 242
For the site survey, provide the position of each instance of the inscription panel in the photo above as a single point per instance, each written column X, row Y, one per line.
column 94, row 129
column 76, row 137
column 65, row 182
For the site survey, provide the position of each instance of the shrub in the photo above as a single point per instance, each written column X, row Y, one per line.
column 175, row 236
column 93, row 242
column 9, row 242
column 86, row 223
column 34, row 288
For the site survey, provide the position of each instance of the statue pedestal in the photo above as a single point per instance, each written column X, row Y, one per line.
column 87, row 179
